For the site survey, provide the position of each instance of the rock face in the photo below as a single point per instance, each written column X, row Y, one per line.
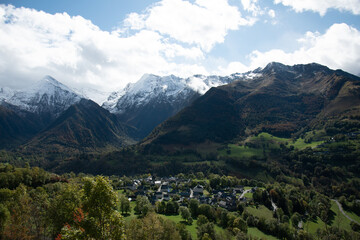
column 280, row 100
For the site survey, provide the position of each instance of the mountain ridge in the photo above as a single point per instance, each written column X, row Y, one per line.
column 281, row 101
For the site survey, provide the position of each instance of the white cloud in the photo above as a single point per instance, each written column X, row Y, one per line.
column 321, row 6
column 203, row 23
column 338, row 47
column 271, row 13
column 78, row 53
column 232, row 67
column 252, row 6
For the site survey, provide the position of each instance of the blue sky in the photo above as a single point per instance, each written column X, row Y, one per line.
column 106, row 44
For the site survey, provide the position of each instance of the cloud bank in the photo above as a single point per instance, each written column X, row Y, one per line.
column 337, row 48
column 322, row 6
column 170, row 37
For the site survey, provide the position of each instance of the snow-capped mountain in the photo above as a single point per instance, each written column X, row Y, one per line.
column 95, row 95
column 148, row 88
column 6, row 93
column 153, row 99
column 46, row 96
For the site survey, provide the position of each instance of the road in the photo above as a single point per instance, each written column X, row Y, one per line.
column 342, row 211
column 245, row 192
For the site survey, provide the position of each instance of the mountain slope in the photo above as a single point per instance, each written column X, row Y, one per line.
column 83, row 126
column 15, row 128
column 281, row 100
column 153, row 99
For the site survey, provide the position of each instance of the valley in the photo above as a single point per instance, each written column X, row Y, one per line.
column 273, row 152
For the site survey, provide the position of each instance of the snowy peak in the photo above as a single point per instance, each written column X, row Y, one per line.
column 5, row 93
column 48, row 85
column 167, row 89
column 148, row 88
column 152, row 84
column 46, row 96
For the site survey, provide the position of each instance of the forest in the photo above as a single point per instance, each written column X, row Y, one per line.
column 36, row 204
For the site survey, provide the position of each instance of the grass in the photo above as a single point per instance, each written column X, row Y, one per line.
column 191, row 228
column 260, row 212
column 338, row 220
column 254, row 232
column 177, row 219
column 353, row 216
column 300, row 144
column 242, row 151
column 265, row 142
column 132, row 213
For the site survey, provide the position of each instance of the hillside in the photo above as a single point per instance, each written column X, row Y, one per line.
column 84, row 126
column 282, row 100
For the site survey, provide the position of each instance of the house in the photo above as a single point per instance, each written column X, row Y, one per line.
column 222, row 204
column 158, row 195
column 166, row 197
column 164, row 187
column 238, row 189
column 185, row 194
column 131, row 187
column 198, row 190
column 173, row 193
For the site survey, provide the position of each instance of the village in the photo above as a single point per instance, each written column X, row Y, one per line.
column 182, row 189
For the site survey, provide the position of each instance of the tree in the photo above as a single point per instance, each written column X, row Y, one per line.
column 152, row 226
column 124, row 205
column 184, row 233
column 295, row 219
column 99, row 202
column 208, row 211
column 202, row 220
column 39, row 207
column 4, row 218
column 185, row 213
column 193, row 207
column 142, row 206
column 172, row 207
column 160, row 207
column 240, row 224
column 98, row 219
column 63, row 206
column 206, row 231
column 19, row 225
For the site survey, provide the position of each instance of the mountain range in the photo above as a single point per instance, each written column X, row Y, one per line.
column 281, row 100
column 51, row 114
column 153, row 99
column 172, row 111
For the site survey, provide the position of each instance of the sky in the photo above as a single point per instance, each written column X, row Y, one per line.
column 106, row 44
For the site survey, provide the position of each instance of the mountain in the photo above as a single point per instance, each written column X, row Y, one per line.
column 47, row 98
column 84, row 126
column 95, row 95
column 15, row 128
column 153, row 99
column 281, row 100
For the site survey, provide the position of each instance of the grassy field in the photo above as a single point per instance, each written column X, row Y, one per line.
column 338, row 220
column 242, row 151
column 260, row 212
column 353, row 216
column 300, row 144
column 254, row 232
column 191, row 228
column 266, row 143
column 177, row 219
